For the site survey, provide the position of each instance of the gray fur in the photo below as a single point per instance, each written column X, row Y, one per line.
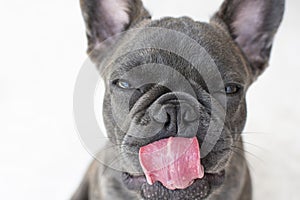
column 241, row 52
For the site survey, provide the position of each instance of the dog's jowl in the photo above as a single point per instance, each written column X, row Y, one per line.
column 174, row 105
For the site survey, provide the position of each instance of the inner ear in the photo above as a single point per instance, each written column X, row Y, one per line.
column 252, row 24
column 115, row 15
column 248, row 20
column 106, row 18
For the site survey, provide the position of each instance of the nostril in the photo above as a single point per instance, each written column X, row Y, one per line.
column 161, row 117
column 165, row 114
column 168, row 121
column 190, row 115
column 159, row 114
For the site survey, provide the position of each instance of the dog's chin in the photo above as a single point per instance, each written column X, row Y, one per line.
column 200, row 189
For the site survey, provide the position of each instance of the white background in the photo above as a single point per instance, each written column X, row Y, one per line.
column 42, row 46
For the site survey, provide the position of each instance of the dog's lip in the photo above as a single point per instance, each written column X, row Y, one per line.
column 134, row 182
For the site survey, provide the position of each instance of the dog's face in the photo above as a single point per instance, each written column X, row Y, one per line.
column 178, row 78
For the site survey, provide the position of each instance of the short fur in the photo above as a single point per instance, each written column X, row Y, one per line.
column 239, row 38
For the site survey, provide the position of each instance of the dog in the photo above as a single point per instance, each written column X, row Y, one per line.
column 176, row 78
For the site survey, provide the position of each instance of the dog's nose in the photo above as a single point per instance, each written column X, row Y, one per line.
column 189, row 114
column 174, row 115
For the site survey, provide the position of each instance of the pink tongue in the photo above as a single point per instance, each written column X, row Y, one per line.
column 174, row 161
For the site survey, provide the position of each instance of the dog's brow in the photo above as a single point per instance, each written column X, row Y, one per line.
column 234, row 77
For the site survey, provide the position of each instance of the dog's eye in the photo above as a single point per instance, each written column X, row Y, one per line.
column 122, row 84
column 232, row 89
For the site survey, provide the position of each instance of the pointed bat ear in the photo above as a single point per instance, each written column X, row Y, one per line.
column 106, row 18
column 252, row 24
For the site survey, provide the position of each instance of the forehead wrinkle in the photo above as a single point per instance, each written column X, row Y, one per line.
column 148, row 56
column 224, row 53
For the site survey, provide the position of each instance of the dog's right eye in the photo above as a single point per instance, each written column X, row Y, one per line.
column 123, row 84
column 232, row 89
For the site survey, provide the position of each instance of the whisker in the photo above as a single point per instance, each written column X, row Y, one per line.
column 112, row 162
column 244, row 160
column 251, row 144
column 242, row 141
column 245, row 151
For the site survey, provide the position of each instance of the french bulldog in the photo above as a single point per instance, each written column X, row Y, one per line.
column 176, row 77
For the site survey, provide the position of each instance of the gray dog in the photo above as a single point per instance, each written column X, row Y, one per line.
column 172, row 78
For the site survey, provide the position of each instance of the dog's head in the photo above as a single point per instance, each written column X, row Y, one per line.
column 176, row 77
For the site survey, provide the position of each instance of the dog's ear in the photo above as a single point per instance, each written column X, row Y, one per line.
column 252, row 24
column 105, row 18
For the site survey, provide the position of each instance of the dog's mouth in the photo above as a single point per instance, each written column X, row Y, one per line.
column 199, row 189
column 172, row 167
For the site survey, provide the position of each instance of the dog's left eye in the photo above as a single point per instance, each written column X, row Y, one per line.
column 232, row 89
column 123, row 84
